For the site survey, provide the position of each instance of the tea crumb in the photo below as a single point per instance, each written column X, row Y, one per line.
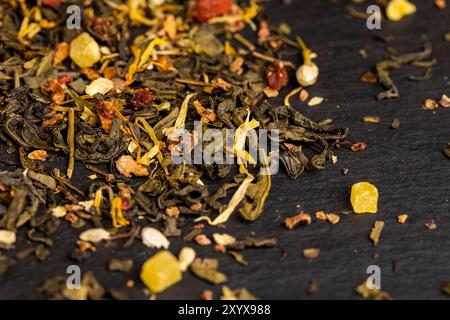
column 430, row 104
column 311, row 253
column 431, row 225
column 207, row 295
column 333, row 218
column 402, row 218
column 371, row 119
column 375, row 233
column 395, row 124
column 299, row 220
column 320, row 215
column 202, row 240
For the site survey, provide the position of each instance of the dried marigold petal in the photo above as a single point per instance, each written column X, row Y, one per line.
column 364, row 198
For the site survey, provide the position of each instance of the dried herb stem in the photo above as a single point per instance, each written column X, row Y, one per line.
column 71, row 142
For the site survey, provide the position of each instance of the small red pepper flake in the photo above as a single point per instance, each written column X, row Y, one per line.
column 360, row 146
column 277, row 76
column 208, row 9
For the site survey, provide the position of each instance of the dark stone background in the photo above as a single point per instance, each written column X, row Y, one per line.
column 407, row 166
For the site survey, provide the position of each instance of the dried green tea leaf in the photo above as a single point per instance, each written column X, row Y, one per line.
column 253, row 242
column 120, row 265
column 206, row 269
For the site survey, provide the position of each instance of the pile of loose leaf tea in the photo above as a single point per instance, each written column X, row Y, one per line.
column 103, row 95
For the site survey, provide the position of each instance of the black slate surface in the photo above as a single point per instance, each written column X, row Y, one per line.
column 407, row 166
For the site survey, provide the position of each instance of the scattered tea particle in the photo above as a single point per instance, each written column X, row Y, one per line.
column 186, row 257
column 270, row 93
column 447, row 151
column 334, row 159
column 431, row 225
column 397, row 9
column 130, row 284
column 120, row 265
column 153, row 238
column 446, row 289
column 333, row 218
column 359, row 146
column 395, row 123
column 127, row 166
column 206, row 269
column 238, row 257
column 300, row 219
column 207, row 295
column 223, row 239
column 445, row 101
column 94, row 235
column 363, row 53
column 441, row 4
column 40, row 155
column 315, row 101
column 58, row 212
column 402, row 218
column 371, row 119
column 364, row 198
column 447, row 36
column 375, row 233
column 345, row 171
column 311, row 253
column 161, row 271
column 369, row 77
column 202, row 240
column 238, row 294
column 430, row 104
column 303, row 96
column 314, row 286
column 173, row 212
column 7, row 238
column 320, row 215
column 220, row 248
column 372, row 293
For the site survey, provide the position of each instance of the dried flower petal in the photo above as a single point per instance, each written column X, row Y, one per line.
column 95, row 235
column 153, row 238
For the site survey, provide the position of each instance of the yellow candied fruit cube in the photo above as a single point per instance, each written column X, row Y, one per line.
column 397, row 9
column 84, row 51
column 160, row 271
column 364, row 198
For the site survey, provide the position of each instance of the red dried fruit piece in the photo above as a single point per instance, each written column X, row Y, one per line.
column 106, row 112
column 51, row 3
column 55, row 90
column 142, row 98
column 208, row 9
column 65, row 79
column 277, row 76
